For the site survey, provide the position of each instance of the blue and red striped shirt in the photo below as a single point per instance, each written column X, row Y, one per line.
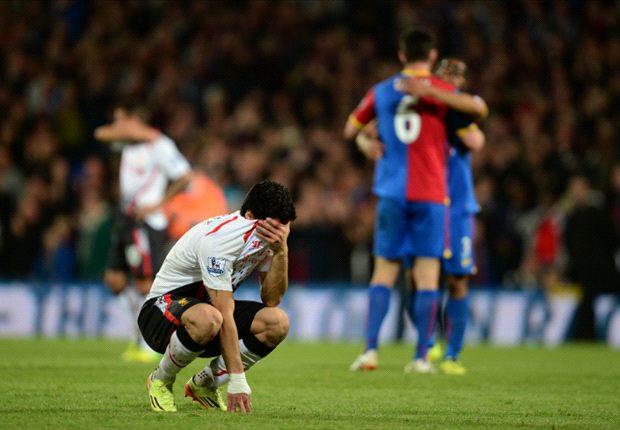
column 413, row 167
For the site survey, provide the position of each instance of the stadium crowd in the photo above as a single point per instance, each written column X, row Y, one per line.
column 256, row 89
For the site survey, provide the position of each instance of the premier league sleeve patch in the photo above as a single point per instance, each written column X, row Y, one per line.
column 216, row 266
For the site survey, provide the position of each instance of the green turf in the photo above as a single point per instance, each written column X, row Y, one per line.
column 84, row 385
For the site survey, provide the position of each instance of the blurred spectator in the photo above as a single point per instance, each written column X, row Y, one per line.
column 541, row 231
column 266, row 96
column 202, row 199
column 70, row 123
column 21, row 239
column 317, row 245
column 94, row 229
column 57, row 261
column 613, row 201
column 11, row 183
column 589, row 240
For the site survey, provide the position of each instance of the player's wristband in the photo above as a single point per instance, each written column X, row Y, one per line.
column 238, row 384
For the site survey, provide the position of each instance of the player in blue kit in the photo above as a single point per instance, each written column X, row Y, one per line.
column 460, row 265
column 464, row 135
column 410, row 181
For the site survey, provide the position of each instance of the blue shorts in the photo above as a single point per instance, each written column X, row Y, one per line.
column 409, row 229
column 461, row 260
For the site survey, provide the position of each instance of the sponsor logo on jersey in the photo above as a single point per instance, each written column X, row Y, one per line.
column 216, row 266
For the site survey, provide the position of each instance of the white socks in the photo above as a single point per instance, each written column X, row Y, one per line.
column 175, row 358
column 215, row 374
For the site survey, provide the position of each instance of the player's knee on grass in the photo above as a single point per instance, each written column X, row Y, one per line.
column 457, row 286
column 270, row 326
column 202, row 322
column 115, row 281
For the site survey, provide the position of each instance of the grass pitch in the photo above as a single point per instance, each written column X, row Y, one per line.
column 84, row 385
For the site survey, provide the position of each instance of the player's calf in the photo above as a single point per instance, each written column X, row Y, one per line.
column 270, row 326
column 457, row 286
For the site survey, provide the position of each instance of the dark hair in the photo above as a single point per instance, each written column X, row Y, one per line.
column 269, row 199
column 134, row 107
column 416, row 44
column 451, row 67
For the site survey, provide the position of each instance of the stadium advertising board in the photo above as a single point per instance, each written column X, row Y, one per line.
column 334, row 312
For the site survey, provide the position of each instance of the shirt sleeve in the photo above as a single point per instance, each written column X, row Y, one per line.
column 456, row 120
column 365, row 111
column 216, row 266
column 172, row 162
column 456, row 124
column 265, row 265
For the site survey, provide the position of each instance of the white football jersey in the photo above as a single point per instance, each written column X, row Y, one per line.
column 219, row 252
column 145, row 170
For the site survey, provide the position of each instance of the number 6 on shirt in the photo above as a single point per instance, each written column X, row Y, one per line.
column 407, row 122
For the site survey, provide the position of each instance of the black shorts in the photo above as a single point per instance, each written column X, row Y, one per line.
column 161, row 316
column 137, row 248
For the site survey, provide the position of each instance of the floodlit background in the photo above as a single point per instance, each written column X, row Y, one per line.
column 256, row 89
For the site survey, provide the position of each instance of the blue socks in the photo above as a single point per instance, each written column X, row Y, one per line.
column 426, row 305
column 378, row 305
column 424, row 309
column 456, row 322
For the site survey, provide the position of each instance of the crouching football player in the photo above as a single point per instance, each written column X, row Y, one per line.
column 190, row 311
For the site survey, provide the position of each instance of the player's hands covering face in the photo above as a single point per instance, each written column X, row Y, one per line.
column 274, row 233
